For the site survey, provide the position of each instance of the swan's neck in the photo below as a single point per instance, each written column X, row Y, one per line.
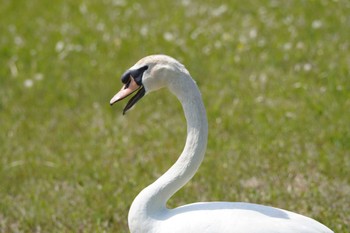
column 152, row 200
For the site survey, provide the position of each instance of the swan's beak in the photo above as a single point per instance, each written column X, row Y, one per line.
column 127, row 90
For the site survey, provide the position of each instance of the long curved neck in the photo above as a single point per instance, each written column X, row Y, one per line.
column 153, row 199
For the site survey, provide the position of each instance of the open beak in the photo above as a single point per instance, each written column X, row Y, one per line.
column 127, row 90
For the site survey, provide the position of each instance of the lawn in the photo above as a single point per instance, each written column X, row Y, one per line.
column 275, row 79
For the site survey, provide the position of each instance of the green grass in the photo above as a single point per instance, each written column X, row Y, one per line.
column 274, row 77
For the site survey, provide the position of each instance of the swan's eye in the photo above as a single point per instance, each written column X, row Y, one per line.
column 135, row 74
column 138, row 74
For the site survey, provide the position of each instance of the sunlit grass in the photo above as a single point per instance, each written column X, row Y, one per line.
column 274, row 76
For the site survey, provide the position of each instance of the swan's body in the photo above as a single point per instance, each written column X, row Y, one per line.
column 148, row 212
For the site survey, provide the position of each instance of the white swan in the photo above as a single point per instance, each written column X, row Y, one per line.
column 148, row 212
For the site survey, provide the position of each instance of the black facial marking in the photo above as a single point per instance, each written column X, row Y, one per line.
column 128, row 83
column 136, row 74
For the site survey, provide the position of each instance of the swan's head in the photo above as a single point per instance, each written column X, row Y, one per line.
column 149, row 74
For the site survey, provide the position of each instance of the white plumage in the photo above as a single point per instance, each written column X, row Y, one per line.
column 148, row 212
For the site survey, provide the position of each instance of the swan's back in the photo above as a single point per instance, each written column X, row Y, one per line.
column 236, row 217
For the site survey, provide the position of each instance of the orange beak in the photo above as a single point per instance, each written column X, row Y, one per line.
column 127, row 90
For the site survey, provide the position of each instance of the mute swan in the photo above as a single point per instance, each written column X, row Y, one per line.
column 148, row 212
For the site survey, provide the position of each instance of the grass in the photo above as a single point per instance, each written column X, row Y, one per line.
column 274, row 77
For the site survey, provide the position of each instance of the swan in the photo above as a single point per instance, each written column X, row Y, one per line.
column 148, row 212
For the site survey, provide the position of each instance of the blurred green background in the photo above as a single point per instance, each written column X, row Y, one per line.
column 274, row 77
